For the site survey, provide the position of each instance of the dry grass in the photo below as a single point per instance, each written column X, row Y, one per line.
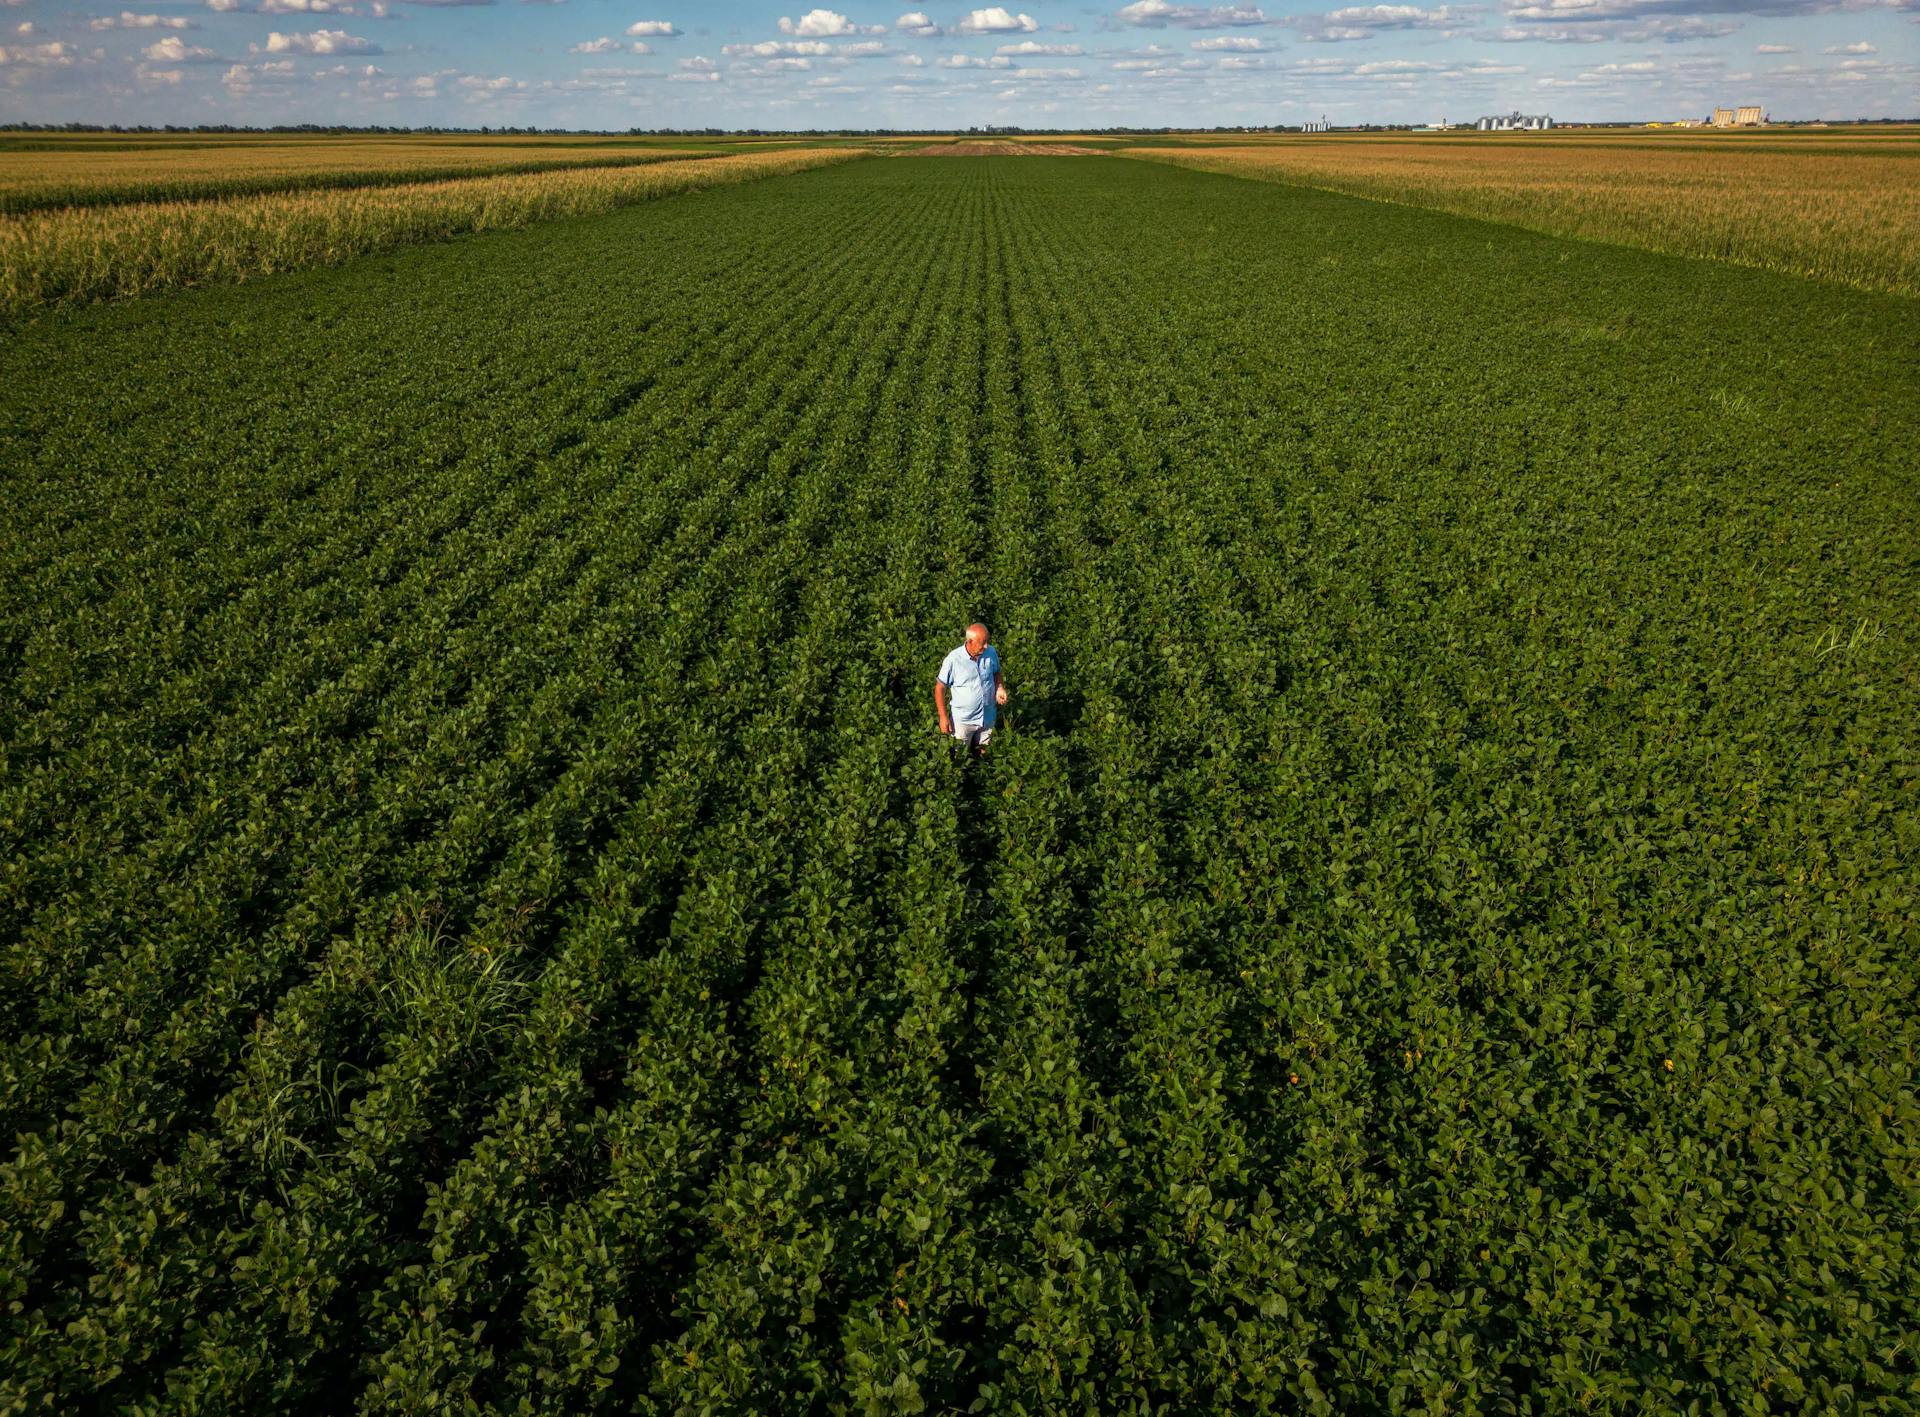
column 100, row 253
column 1825, row 204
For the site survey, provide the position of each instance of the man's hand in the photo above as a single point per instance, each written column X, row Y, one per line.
column 1000, row 697
column 946, row 728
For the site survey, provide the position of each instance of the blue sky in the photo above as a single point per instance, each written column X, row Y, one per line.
column 748, row 63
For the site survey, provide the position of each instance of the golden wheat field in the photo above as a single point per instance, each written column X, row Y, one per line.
column 85, row 169
column 85, row 253
column 52, row 175
column 1831, row 204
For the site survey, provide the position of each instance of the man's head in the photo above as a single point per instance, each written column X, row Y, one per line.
column 976, row 639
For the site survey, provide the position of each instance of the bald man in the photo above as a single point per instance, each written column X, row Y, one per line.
column 970, row 680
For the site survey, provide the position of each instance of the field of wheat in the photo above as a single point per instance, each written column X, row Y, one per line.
column 42, row 171
column 1836, row 207
column 84, row 253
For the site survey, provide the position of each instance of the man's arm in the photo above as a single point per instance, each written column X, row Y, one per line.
column 940, row 707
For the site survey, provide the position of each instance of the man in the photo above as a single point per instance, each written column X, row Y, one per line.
column 970, row 678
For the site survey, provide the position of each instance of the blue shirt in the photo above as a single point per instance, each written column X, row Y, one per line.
column 969, row 684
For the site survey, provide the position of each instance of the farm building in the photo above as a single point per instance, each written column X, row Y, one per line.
column 1513, row 122
column 1746, row 116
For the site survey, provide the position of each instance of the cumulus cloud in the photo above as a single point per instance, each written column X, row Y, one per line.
column 974, row 61
column 1365, row 21
column 483, row 88
column 996, row 19
column 172, row 50
column 54, row 55
column 372, row 9
column 697, row 70
column 1035, row 49
column 917, row 22
column 1861, row 47
column 319, row 42
column 319, row 7
column 127, row 20
column 1390, row 17
column 1773, row 49
column 607, row 44
column 771, row 48
column 1242, row 44
column 819, row 24
column 1157, row 14
column 652, row 29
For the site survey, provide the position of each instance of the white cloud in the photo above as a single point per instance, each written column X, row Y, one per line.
column 652, row 29
column 819, row 24
column 1390, row 17
column 1034, row 49
column 912, row 61
column 771, row 48
column 24, row 28
column 1041, row 75
column 1860, row 47
column 697, row 70
column 149, row 76
column 996, row 19
column 479, row 88
column 176, row 51
column 1242, row 44
column 1547, row 34
column 917, row 22
column 607, row 44
column 372, row 9
column 127, row 20
column 974, row 61
column 319, row 42
column 1155, row 14
column 1365, row 21
column 54, row 55
column 866, row 49
column 1773, row 49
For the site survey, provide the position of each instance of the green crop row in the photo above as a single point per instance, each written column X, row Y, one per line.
column 491, row 926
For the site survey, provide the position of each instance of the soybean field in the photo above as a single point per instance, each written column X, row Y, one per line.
column 489, row 924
